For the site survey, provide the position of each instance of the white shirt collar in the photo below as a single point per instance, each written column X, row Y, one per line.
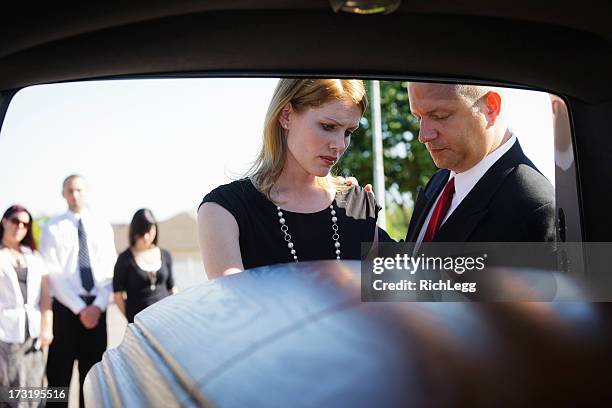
column 465, row 181
column 75, row 217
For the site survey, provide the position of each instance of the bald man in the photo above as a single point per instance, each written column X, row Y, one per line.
column 486, row 190
column 79, row 250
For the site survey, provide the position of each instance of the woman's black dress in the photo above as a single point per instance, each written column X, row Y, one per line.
column 262, row 241
column 135, row 282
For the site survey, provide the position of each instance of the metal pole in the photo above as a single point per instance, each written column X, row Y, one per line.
column 377, row 148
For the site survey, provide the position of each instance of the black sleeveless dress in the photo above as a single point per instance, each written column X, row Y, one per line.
column 262, row 241
column 130, row 278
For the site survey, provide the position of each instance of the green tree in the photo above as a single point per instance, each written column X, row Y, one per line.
column 407, row 163
column 37, row 227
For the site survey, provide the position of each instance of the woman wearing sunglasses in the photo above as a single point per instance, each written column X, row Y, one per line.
column 26, row 319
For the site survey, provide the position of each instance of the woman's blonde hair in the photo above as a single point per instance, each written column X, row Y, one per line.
column 302, row 94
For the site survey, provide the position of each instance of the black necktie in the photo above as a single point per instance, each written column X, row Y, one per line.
column 84, row 264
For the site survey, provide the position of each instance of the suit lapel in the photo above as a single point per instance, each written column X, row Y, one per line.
column 425, row 199
column 458, row 228
column 466, row 217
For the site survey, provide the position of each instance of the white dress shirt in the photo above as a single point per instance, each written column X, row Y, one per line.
column 465, row 182
column 60, row 249
column 13, row 307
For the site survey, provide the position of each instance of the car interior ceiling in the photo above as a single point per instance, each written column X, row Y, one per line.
column 555, row 47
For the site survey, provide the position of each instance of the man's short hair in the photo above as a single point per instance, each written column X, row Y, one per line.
column 472, row 93
column 70, row 177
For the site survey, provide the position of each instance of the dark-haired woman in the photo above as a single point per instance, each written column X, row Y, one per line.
column 26, row 319
column 143, row 272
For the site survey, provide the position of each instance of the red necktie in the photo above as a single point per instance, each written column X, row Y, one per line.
column 440, row 211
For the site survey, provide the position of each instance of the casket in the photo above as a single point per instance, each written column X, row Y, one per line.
column 299, row 335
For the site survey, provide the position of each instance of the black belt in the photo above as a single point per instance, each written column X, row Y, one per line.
column 88, row 299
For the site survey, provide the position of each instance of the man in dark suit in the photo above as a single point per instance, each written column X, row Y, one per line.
column 486, row 190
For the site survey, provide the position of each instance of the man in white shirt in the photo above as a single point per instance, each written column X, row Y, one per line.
column 79, row 251
column 486, row 190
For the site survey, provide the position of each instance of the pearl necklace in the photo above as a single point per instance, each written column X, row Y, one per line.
column 285, row 229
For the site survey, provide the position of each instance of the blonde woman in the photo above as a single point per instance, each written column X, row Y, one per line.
column 289, row 208
column 26, row 319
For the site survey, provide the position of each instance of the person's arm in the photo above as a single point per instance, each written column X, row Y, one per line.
column 109, row 257
column 120, row 302
column 120, row 282
column 46, row 314
column 62, row 289
column 170, row 281
column 218, row 237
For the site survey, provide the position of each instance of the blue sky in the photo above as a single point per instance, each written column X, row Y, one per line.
column 163, row 144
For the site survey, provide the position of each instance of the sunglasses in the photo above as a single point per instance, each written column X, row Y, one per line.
column 17, row 222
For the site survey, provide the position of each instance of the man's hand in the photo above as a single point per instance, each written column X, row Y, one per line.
column 352, row 181
column 89, row 316
column 46, row 336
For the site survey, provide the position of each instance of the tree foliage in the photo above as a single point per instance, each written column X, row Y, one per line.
column 37, row 224
column 407, row 163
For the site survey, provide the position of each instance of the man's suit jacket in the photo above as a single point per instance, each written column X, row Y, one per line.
column 512, row 202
